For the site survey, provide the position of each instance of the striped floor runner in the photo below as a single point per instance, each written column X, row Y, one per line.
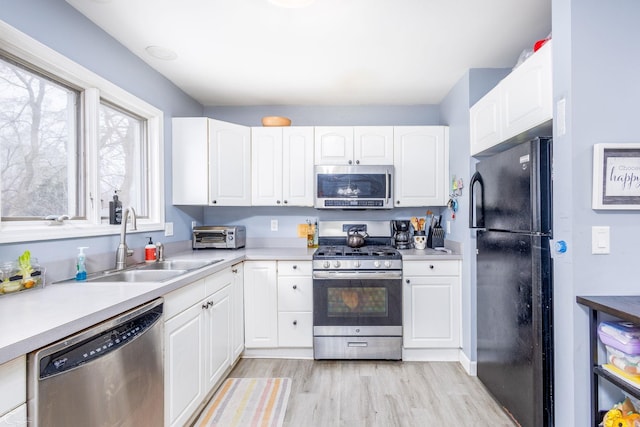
column 248, row 402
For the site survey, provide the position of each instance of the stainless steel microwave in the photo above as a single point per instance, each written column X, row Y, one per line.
column 353, row 187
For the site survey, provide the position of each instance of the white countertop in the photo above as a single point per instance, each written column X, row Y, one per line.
column 35, row 318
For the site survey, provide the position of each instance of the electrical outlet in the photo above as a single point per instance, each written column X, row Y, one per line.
column 194, row 224
column 274, row 225
column 168, row 229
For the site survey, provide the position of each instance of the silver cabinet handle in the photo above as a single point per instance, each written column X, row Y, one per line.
column 295, row 286
column 408, row 281
column 295, row 322
column 431, row 266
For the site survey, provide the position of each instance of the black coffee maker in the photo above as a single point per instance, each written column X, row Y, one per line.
column 401, row 234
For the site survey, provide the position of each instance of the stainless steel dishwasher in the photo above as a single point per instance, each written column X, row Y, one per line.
column 108, row 375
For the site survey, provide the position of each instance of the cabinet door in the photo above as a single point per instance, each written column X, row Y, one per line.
column 333, row 145
column 431, row 312
column 183, row 370
column 526, row 94
column 217, row 335
column 421, row 160
column 261, row 304
column 237, row 311
column 229, row 164
column 266, row 166
column 486, row 122
column 190, row 151
column 373, row 145
column 297, row 166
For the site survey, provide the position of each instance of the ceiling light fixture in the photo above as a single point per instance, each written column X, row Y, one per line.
column 292, row 3
column 160, row 52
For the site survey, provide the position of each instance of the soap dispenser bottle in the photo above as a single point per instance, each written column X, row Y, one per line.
column 115, row 210
column 81, row 269
column 150, row 251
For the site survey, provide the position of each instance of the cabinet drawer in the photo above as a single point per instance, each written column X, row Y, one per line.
column 431, row 268
column 13, row 387
column 181, row 299
column 295, row 329
column 294, row 268
column 295, row 294
column 217, row 281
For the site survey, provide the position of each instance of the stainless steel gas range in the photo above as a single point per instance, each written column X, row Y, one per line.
column 357, row 293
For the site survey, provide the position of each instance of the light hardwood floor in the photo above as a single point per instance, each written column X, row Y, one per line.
column 384, row 394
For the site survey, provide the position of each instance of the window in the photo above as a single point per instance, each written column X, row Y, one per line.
column 69, row 139
column 121, row 158
column 38, row 137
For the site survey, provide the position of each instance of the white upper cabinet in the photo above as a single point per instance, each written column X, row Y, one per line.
column 421, row 160
column 333, row 145
column 211, row 162
column 230, row 164
column 359, row 145
column 520, row 102
column 486, row 122
column 190, row 151
column 373, row 145
column 282, row 166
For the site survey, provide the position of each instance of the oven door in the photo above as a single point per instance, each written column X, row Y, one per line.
column 357, row 303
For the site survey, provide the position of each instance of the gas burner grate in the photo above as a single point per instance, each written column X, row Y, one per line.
column 346, row 252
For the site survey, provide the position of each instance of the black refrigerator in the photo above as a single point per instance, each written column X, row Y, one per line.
column 511, row 209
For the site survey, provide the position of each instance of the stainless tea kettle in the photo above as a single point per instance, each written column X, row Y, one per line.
column 354, row 237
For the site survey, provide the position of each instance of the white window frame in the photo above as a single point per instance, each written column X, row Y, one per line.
column 93, row 88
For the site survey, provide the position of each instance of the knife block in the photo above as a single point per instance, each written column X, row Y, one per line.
column 435, row 239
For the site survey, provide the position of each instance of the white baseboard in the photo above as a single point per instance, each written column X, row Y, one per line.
column 431, row 354
column 470, row 366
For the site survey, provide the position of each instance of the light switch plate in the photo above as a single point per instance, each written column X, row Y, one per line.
column 168, row 229
column 600, row 244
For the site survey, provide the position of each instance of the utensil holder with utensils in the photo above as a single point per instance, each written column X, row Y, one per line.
column 435, row 239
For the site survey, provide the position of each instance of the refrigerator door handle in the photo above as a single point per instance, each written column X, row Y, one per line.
column 475, row 223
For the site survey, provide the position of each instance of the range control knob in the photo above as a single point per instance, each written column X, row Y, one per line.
column 376, row 264
column 387, row 263
column 336, row 264
column 326, row 264
column 356, row 263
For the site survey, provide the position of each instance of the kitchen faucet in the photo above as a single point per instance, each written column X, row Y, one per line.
column 123, row 252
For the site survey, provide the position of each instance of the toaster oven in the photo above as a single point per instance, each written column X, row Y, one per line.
column 219, row 237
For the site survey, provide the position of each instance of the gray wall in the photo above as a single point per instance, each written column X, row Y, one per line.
column 331, row 115
column 59, row 26
column 455, row 114
column 596, row 70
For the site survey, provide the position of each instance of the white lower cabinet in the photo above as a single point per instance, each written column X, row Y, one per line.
column 431, row 294
column 197, row 343
column 278, row 304
column 237, row 313
column 13, row 392
column 260, row 304
column 295, row 304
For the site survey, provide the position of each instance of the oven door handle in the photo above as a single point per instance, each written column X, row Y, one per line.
column 358, row 275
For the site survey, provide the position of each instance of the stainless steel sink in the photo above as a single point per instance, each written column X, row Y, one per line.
column 137, row 276
column 179, row 264
column 159, row 271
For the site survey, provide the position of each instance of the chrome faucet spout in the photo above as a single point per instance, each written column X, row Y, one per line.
column 123, row 251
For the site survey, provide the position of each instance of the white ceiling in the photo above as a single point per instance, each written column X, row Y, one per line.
column 333, row 52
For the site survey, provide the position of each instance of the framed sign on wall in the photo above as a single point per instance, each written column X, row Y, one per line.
column 616, row 176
